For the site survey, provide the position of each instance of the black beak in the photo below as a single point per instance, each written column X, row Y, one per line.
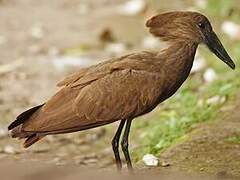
column 215, row 45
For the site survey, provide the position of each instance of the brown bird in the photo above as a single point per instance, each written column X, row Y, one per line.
column 123, row 88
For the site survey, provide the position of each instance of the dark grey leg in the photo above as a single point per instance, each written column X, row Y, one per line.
column 115, row 144
column 125, row 144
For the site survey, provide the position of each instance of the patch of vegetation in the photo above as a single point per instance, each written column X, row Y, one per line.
column 234, row 139
column 175, row 118
column 180, row 114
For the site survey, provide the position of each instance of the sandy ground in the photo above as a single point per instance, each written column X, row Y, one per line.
column 35, row 33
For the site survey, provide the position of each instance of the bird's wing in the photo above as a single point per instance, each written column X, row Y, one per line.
column 98, row 99
column 86, row 75
column 72, row 78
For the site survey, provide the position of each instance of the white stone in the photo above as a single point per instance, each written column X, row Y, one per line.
column 209, row 75
column 9, row 149
column 61, row 62
column 37, row 31
column 231, row 29
column 3, row 132
column 150, row 160
column 83, row 8
column 198, row 64
column 150, row 42
column 201, row 3
column 115, row 48
column 133, row 7
column 216, row 100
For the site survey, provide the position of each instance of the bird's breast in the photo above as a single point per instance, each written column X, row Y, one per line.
column 175, row 76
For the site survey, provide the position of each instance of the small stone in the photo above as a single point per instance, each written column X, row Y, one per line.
column 216, row 100
column 150, row 42
column 40, row 149
column 231, row 29
column 133, row 7
column 53, row 51
column 165, row 164
column 115, row 48
column 150, row 160
column 87, row 159
column 61, row 62
column 201, row 3
column 3, row 132
column 198, row 64
column 58, row 161
column 209, row 75
column 9, row 150
column 90, row 161
column 37, row 31
column 35, row 49
column 83, row 8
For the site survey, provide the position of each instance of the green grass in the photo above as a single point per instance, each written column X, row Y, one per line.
column 172, row 121
column 234, row 139
column 175, row 118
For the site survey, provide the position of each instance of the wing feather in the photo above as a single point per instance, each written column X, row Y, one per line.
column 97, row 96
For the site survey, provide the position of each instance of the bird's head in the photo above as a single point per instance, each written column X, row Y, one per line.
column 188, row 26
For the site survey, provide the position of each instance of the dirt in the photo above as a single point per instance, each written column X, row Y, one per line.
column 212, row 148
column 62, row 25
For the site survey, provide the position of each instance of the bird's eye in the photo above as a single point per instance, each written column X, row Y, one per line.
column 201, row 25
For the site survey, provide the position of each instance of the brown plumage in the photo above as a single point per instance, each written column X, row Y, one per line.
column 123, row 88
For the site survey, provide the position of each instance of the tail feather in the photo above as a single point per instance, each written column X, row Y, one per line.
column 31, row 140
column 23, row 117
column 18, row 132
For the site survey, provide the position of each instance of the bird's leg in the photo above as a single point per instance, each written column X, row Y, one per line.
column 125, row 144
column 115, row 144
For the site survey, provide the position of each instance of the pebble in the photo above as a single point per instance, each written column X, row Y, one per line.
column 133, row 7
column 150, row 42
column 53, row 51
column 3, row 132
column 37, row 31
column 231, row 29
column 201, row 3
column 40, row 149
column 150, row 160
column 115, row 48
column 87, row 159
column 35, row 49
column 198, row 64
column 61, row 62
column 165, row 164
column 58, row 161
column 83, row 8
column 216, row 100
column 9, row 150
column 209, row 75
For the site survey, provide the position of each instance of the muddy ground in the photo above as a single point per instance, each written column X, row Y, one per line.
column 34, row 36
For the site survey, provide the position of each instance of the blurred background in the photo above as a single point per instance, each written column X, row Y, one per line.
column 196, row 131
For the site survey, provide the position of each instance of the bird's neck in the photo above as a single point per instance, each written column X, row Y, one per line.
column 179, row 56
column 178, row 61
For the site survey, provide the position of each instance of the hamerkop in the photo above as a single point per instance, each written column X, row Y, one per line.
column 123, row 88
